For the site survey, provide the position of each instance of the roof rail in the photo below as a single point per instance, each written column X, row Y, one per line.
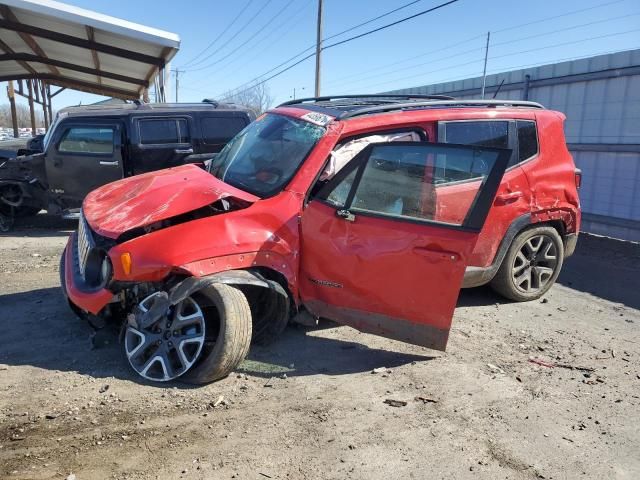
column 366, row 96
column 438, row 103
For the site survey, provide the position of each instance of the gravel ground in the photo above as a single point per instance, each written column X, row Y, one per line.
column 310, row 406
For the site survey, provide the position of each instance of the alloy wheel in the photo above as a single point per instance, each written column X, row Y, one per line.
column 166, row 349
column 535, row 264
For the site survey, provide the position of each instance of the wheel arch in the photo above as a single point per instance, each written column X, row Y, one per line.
column 477, row 276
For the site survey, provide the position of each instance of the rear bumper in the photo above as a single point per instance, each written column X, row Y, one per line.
column 90, row 300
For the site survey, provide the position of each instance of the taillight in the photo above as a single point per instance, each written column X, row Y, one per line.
column 578, row 176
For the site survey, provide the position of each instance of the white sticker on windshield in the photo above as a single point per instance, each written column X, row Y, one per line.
column 317, row 118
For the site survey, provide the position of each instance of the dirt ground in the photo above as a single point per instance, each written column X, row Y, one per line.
column 309, row 406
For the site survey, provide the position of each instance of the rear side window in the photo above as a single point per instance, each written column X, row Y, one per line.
column 494, row 134
column 166, row 130
column 221, row 129
column 527, row 140
column 92, row 140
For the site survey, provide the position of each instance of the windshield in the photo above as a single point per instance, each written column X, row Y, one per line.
column 266, row 154
column 47, row 136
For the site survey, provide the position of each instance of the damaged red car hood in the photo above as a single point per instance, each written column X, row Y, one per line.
column 144, row 199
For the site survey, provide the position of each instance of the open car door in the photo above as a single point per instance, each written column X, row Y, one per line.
column 380, row 253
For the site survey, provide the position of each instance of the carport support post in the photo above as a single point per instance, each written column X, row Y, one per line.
column 49, row 104
column 32, row 112
column 44, row 105
column 14, row 113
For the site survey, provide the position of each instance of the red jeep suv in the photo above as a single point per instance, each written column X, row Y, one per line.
column 372, row 211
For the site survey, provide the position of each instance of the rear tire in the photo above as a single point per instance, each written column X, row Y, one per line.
column 228, row 333
column 531, row 266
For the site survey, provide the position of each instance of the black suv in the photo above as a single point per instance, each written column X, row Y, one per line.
column 89, row 146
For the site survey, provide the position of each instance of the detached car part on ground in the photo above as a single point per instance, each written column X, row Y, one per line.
column 194, row 265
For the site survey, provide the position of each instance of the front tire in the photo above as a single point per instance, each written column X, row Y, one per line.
column 228, row 338
column 531, row 266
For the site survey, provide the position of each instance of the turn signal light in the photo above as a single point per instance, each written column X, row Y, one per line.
column 125, row 260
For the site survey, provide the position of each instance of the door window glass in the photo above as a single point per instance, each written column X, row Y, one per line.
column 417, row 181
column 166, row 130
column 338, row 195
column 527, row 140
column 216, row 130
column 92, row 140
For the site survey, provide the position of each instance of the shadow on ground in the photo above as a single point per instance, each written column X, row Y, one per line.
column 39, row 330
column 606, row 268
column 41, row 225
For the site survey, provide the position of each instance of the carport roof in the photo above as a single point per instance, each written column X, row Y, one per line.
column 76, row 48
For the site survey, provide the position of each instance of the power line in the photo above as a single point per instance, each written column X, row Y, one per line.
column 229, row 25
column 241, row 29
column 302, row 52
column 500, row 70
column 506, row 55
column 388, row 65
column 235, row 92
column 269, row 45
column 564, row 29
column 473, row 50
column 402, row 7
column 340, row 43
column 397, row 22
column 553, row 17
column 246, row 41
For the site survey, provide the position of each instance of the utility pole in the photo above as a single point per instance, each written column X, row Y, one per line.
column 484, row 72
column 177, row 83
column 318, row 47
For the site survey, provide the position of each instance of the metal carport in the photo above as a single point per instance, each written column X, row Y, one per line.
column 44, row 43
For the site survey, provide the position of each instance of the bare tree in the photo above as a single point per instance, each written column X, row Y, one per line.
column 24, row 118
column 257, row 98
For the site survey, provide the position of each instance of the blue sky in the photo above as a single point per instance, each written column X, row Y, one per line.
column 444, row 45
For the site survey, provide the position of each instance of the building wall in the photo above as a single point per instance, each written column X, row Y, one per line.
column 601, row 98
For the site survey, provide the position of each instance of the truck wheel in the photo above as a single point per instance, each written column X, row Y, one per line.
column 228, row 337
column 531, row 265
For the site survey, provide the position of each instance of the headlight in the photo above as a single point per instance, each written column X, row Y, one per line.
column 105, row 270
column 97, row 269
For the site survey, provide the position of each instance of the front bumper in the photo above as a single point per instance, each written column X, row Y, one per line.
column 73, row 286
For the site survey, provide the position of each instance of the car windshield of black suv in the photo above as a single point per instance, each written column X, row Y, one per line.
column 266, row 154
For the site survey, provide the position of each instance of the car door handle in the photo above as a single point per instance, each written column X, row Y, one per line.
column 184, row 150
column 114, row 163
column 346, row 214
column 508, row 197
column 436, row 254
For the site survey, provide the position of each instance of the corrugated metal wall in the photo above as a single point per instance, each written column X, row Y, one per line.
column 601, row 99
